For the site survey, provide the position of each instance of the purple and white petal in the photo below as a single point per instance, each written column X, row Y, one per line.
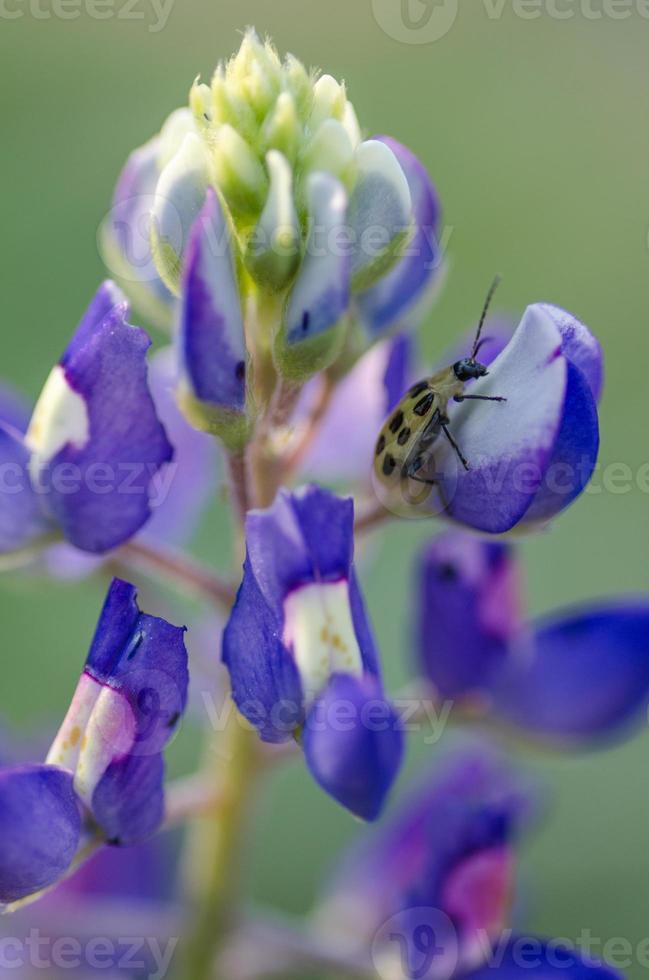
column 212, row 346
column 353, row 743
column 380, row 212
column 468, row 614
column 577, row 445
column 299, row 638
column 40, row 826
column 509, row 445
column 126, row 236
column 320, row 294
column 179, row 197
column 400, row 296
column 586, row 676
column 97, row 444
column 127, row 705
column 580, row 347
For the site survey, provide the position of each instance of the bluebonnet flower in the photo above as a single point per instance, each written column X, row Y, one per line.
column 104, row 772
column 300, row 652
column 316, row 216
column 531, row 456
column 85, row 466
column 429, row 894
column 574, row 677
column 181, row 496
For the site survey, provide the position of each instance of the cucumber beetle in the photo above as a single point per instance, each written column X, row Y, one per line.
column 405, row 443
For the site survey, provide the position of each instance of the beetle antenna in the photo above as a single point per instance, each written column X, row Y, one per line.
column 483, row 315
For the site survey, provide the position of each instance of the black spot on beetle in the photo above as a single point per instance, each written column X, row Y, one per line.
column 423, row 406
column 404, row 435
column 380, row 445
column 173, row 720
column 306, row 319
column 396, row 422
column 389, row 464
column 417, row 389
column 240, row 371
column 114, row 842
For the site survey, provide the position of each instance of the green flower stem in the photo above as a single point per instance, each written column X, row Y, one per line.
column 216, row 842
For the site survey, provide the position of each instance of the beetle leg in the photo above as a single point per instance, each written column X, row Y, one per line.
column 455, row 447
column 479, row 398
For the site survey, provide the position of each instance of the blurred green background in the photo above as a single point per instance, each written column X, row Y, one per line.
column 536, row 134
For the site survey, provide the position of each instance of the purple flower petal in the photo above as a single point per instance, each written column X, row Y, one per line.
column 212, row 345
column 302, row 538
column 403, row 290
column 15, row 409
column 366, row 394
column 353, row 744
column 265, row 682
column 510, row 446
column 586, row 676
column 518, row 957
column 40, row 827
column 22, row 519
column 468, row 617
column 129, row 700
column 97, row 445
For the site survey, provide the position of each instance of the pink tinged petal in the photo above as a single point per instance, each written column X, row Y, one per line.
column 468, row 615
column 212, row 344
column 508, row 445
column 477, row 895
